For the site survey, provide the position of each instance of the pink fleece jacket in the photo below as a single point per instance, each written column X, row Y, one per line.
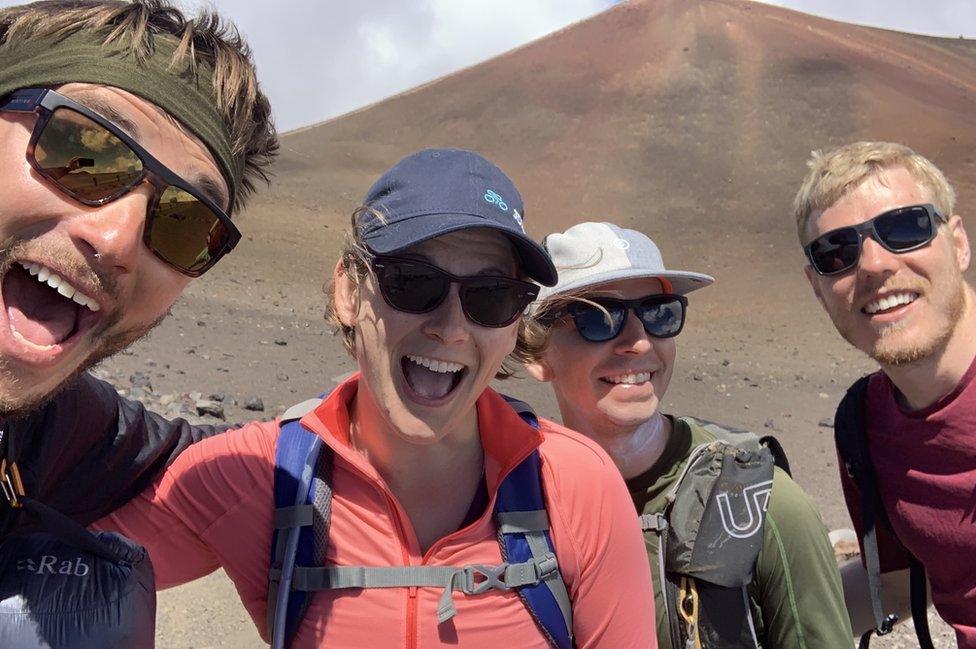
column 213, row 507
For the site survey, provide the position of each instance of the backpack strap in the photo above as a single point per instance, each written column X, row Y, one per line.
column 523, row 532
column 296, row 459
column 850, row 436
column 303, row 497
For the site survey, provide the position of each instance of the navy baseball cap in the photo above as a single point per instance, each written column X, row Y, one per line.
column 438, row 191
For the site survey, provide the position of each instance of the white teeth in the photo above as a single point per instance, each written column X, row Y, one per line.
column 66, row 289
column 630, row 379
column 890, row 302
column 441, row 367
column 49, row 277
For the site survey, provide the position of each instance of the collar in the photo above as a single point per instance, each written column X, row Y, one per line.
column 505, row 437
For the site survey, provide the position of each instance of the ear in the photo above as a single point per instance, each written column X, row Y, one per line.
column 346, row 294
column 960, row 242
column 814, row 280
column 539, row 370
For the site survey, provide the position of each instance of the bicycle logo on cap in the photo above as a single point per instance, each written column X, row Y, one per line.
column 495, row 199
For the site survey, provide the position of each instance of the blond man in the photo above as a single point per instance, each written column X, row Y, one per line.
column 886, row 252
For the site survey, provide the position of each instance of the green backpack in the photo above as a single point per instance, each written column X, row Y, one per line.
column 710, row 534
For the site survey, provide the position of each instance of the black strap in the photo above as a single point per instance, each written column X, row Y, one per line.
column 779, row 453
column 852, row 444
column 919, row 599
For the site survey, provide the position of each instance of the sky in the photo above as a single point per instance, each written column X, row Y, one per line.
column 319, row 59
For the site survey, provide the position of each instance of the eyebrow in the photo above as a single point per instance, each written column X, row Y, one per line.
column 211, row 189
column 207, row 185
column 110, row 113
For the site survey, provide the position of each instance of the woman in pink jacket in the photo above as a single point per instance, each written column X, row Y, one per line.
column 428, row 296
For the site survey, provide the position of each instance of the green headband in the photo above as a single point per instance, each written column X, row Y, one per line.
column 187, row 96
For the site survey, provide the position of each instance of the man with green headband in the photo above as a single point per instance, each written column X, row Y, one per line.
column 128, row 136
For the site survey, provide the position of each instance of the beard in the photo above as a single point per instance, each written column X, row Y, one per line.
column 889, row 353
column 16, row 404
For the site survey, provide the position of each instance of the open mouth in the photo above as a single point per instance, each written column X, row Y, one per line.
column 430, row 378
column 631, row 378
column 889, row 303
column 43, row 309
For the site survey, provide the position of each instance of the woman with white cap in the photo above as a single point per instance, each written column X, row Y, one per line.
column 739, row 555
column 419, row 509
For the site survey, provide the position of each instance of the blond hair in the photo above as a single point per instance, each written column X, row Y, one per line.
column 832, row 175
column 355, row 258
column 204, row 40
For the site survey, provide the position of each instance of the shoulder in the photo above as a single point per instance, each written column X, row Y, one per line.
column 567, row 453
column 243, row 455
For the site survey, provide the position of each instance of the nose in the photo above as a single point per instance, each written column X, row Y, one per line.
column 113, row 232
column 875, row 259
column 633, row 340
column 447, row 323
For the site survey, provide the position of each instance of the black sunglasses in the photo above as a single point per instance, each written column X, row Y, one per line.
column 662, row 314
column 94, row 162
column 899, row 230
column 418, row 287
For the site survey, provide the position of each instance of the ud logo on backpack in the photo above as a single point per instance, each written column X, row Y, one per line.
column 303, row 502
column 710, row 534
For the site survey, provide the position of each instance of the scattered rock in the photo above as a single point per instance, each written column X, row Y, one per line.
column 201, row 323
column 254, row 403
column 141, row 380
column 281, row 376
column 212, row 408
column 167, row 399
column 826, row 422
column 195, row 396
column 218, row 396
column 281, row 342
column 769, row 424
column 824, row 395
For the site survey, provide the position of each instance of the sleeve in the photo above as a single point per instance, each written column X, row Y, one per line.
column 610, row 583
column 129, row 447
column 797, row 580
column 210, row 509
column 891, row 553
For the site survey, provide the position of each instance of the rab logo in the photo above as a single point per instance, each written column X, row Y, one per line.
column 495, row 199
column 49, row 565
column 756, row 499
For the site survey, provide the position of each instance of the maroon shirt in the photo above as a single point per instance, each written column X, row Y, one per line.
column 925, row 462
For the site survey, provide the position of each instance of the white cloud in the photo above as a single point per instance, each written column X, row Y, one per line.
column 319, row 59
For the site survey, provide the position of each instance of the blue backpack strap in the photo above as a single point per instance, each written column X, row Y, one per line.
column 523, row 533
column 292, row 543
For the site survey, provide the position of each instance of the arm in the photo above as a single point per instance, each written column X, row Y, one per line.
column 211, row 508
column 610, row 582
column 118, row 448
column 895, row 595
column 797, row 582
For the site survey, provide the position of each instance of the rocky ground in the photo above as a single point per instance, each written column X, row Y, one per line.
column 193, row 368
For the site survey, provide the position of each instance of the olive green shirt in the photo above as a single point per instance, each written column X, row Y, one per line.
column 796, row 593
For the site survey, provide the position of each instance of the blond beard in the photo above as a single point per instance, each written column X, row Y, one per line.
column 902, row 356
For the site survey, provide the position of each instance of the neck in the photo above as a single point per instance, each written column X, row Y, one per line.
column 633, row 449
column 408, row 465
column 926, row 381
